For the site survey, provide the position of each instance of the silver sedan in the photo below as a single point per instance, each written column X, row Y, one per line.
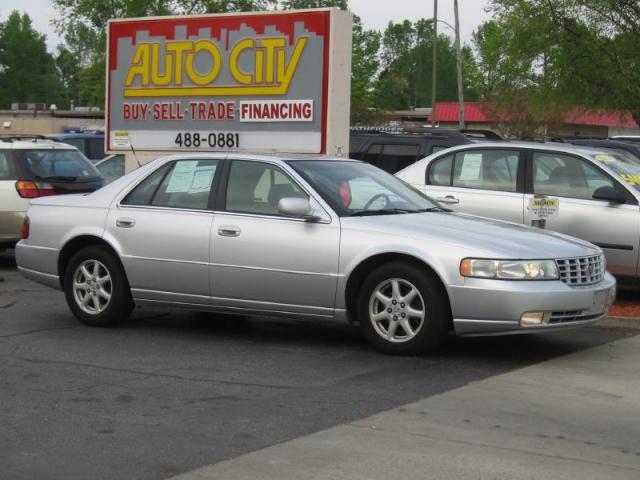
column 316, row 238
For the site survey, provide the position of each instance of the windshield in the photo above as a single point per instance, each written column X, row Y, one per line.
column 625, row 165
column 355, row 189
column 62, row 165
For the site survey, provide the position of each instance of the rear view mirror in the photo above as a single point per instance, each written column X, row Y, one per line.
column 609, row 194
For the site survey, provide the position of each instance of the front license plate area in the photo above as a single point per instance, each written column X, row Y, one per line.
column 600, row 301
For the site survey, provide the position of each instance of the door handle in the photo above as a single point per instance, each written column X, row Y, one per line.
column 229, row 231
column 125, row 222
column 449, row 200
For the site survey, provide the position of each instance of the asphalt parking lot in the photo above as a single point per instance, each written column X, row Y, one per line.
column 170, row 391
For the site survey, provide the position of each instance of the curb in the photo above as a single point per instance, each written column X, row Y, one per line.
column 628, row 323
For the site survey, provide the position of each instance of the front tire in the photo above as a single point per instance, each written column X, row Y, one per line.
column 96, row 288
column 402, row 309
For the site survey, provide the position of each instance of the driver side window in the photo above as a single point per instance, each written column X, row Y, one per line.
column 255, row 187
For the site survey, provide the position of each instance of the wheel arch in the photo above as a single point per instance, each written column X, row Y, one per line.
column 368, row 265
column 77, row 243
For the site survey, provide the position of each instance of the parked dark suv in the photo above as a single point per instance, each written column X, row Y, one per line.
column 393, row 149
column 90, row 144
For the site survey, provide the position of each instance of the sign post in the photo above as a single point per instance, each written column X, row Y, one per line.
column 259, row 82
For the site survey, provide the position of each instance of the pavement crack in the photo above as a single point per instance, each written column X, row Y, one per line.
column 38, row 330
column 146, row 374
column 499, row 447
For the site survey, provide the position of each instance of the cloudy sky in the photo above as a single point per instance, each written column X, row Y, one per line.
column 374, row 13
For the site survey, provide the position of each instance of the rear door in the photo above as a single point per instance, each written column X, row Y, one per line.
column 163, row 228
column 572, row 180
column 487, row 182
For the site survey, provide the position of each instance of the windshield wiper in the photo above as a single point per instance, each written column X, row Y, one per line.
column 61, row 178
column 383, row 211
column 435, row 209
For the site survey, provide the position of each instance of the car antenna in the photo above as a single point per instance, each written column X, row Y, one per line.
column 134, row 154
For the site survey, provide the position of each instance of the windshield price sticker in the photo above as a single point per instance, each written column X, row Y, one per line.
column 543, row 208
column 631, row 179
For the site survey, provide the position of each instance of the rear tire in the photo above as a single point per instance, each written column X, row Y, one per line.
column 402, row 309
column 96, row 288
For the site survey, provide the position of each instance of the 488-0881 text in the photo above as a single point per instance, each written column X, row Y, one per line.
column 210, row 140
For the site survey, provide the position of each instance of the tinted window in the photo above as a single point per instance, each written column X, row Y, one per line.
column 143, row 193
column 440, row 171
column 5, row 171
column 112, row 168
column 67, row 164
column 187, row 185
column 96, row 148
column 565, row 176
column 373, row 154
column 76, row 142
column 396, row 157
column 486, row 170
column 255, row 187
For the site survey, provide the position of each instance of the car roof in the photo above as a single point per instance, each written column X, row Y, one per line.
column 64, row 136
column 261, row 156
column 552, row 147
column 35, row 145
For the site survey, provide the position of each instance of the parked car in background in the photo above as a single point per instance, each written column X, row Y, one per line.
column 90, row 144
column 317, row 238
column 627, row 147
column 597, row 190
column 31, row 167
column 627, row 138
column 393, row 149
column 111, row 167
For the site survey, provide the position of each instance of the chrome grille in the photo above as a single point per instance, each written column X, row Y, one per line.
column 581, row 270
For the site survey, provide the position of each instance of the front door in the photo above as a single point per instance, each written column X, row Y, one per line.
column 262, row 260
column 571, row 180
column 163, row 227
column 478, row 181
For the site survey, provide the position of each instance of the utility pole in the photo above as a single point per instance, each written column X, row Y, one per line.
column 434, row 60
column 459, row 61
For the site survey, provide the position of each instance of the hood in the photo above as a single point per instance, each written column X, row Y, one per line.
column 476, row 235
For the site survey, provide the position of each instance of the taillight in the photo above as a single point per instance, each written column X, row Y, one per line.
column 24, row 231
column 29, row 189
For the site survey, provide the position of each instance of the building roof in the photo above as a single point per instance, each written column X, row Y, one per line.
column 480, row 112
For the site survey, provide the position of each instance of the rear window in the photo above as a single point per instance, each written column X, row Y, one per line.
column 96, row 148
column 69, row 165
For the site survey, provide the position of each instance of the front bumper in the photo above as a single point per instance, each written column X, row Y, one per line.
column 495, row 307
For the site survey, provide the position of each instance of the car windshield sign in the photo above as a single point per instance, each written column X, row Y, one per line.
column 626, row 166
column 60, row 165
column 360, row 189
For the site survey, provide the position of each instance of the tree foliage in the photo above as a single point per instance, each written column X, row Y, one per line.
column 27, row 70
column 549, row 56
column 405, row 79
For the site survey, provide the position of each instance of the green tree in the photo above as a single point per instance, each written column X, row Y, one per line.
column 27, row 71
column 406, row 61
column 554, row 55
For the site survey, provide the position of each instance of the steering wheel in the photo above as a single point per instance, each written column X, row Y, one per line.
column 387, row 200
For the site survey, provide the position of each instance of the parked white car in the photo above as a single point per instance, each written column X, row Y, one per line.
column 594, row 192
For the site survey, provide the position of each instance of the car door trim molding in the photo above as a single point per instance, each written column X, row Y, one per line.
column 278, row 270
column 168, row 260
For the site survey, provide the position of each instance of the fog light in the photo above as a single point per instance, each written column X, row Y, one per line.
column 531, row 318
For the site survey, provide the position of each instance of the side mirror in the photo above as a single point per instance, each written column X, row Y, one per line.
column 609, row 194
column 296, row 207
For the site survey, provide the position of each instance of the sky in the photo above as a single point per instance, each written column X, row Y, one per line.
column 375, row 14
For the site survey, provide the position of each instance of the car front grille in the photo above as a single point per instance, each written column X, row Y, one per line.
column 572, row 316
column 581, row 270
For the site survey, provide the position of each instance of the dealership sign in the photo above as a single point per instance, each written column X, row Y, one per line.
column 268, row 81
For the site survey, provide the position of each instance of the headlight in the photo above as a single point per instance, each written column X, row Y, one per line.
column 509, row 269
